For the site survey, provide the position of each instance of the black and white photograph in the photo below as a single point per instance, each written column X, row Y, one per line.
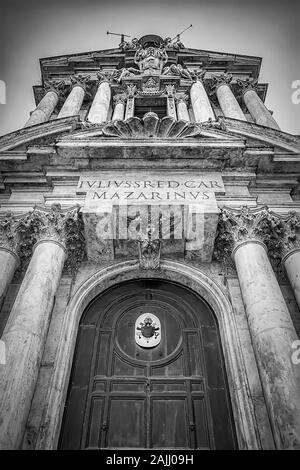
column 149, row 228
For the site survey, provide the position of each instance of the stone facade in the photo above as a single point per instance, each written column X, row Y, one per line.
column 150, row 161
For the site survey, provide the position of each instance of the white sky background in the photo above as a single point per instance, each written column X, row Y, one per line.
column 33, row 29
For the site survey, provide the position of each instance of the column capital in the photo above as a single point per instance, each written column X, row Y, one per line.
column 55, row 86
column 120, row 98
column 131, row 90
column 247, row 85
column 170, row 90
column 105, row 75
column 291, row 236
column 219, row 80
column 198, row 74
column 9, row 233
column 238, row 226
column 80, row 80
column 63, row 227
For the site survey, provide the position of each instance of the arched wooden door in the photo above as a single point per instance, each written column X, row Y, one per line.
column 172, row 395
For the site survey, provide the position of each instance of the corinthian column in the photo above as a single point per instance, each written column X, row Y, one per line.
column 72, row 105
column 226, row 98
column 119, row 109
column 9, row 259
column 201, row 105
column 270, row 324
column 26, row 329
column 291, row 252
column 182, row 111
column 46, row 106
column 100, row 106
column 259, row 112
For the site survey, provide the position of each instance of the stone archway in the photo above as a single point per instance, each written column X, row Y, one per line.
column 187, row 276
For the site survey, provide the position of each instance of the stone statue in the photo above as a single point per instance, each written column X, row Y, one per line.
column 150, row 60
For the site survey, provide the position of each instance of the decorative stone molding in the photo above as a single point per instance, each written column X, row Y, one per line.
column 244, row 225
column 150, row 127
column 151, row 86
column 149, row 253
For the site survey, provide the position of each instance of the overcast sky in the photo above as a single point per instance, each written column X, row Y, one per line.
column 33, row 29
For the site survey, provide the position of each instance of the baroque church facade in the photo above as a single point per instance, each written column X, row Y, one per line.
column 150, row 257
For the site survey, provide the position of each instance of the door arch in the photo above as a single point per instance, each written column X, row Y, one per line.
column 173, row 395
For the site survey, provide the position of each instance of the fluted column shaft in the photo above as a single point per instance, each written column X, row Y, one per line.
column 200, row 103
column 72, row 105
column 99, row 110
column 260, row 114
column 272, row 333
column 44, row 109
column 24, row 338
column 291, row 263
column 9, row 261
column 228, row 102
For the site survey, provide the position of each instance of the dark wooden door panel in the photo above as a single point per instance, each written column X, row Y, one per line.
column 169, row 422
column 171, row 396
column 126, row 423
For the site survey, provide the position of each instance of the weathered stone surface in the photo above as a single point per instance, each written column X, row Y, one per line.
column 24, row 337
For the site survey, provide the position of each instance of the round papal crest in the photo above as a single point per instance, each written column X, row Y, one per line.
column 147, row 330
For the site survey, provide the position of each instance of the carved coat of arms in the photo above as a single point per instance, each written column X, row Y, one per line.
column 147, row 330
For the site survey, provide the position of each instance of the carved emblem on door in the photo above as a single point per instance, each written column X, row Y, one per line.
column 147, row 330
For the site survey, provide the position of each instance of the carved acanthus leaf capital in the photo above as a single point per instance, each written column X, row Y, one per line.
column 107, row 75
column 236, row 226
column 219, row 80
column 197, row 74
column 80, row 80
column 9, row 233
column 56, row 86
column 247, row 85
column 291, row 238
column 57, row 225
